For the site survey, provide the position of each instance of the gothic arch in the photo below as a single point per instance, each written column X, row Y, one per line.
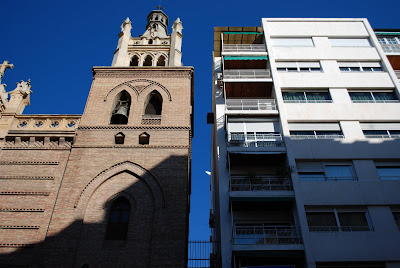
column 131, row 86
column 162, row 58
column 148, row 60
column 134, row 60
column 124, row 167
column 123, row 86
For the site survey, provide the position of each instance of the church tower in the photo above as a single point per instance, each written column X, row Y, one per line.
column 121, row 197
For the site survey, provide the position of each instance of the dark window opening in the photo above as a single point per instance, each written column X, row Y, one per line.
column 122, row 105
column 150, row 41
column 119, row 138
column 148, row 61
column 153, row 104
column 161, row 61
column 144, row 138
column 118, row 219
column 134, row 61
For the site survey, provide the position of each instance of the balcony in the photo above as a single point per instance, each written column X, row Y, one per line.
column 265, row 234
column 391, row 48
column 244, row 48
column 240, row 75
column 260, row 183
column 258, row 139
column 397, row 72
column 251, row 106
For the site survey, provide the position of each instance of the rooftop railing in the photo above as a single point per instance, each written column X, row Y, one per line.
column 391, row 48
column 246, row 74
column 251, row 105
column 255, row 140
column 316, row 137
column 244, row 48
column 264, row 234
column 260, row 183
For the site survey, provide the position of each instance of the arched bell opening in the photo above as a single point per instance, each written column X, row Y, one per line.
column 148, row 61
column 153, row 103
column 161, row 61
column 134, row 61
column 122, row 104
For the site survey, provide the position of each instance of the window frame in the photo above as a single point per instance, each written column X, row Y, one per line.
column 385, row 40
column 317, row 135
column 306, row 99
column 373, row 97
column 297, row 68
column 339, row 227
column 360, row 67
column 323, row 175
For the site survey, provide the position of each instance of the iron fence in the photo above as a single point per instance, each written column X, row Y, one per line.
column 201, row 254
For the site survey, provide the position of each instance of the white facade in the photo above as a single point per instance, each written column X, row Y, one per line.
column 305, row 146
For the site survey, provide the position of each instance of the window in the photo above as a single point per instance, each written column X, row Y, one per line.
column 148, row 61
column 389, row 40
column 161, row 61
column 315, row 131
column 321, row 171
column 396, row 216
column 373, row 97
column 292, row 42
column 382, row 134
column 153, row 103
column 119, row 138
column 121, row 106
column 334, row 220
column 118, row 219
column 134, row 61
column 298, row 67
column 306, row 97
column 360, row 67
column 389, row 173
column 144, row 138
column 349, row 42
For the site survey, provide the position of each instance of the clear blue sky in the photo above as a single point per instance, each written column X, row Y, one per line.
column 56, row 43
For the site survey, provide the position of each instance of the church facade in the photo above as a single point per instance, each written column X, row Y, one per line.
column 110, row 187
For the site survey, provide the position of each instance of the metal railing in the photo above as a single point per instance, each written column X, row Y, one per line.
column 339, row 228
column 307, row 101
column 391, row 48
column 244, row 48
column 260, row 183
column 255, row 140
column 251, row 105
column 387, row 136
column 246, row 74
column 316, row 137
column 264, row 234
column 325, row 178
column 201, row 254
column 375, row 101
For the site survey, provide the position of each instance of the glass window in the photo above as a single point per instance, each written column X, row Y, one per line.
column 321, row 221
column 396, row 216
column 384, row 96
column 311, row 176
column 389, row 173
column 353, row 221
column 118, row 220
column 318, row 96
column 339, row 172
column 294, row 96
column 361, row 96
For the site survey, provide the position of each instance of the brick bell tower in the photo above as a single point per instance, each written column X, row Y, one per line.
column 124, row 198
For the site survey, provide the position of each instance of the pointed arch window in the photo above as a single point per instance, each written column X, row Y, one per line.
column 153, row 104
column 150, row 41
column 161, row 61
column 148, row 61
column 122, row 104
column 118, row 219
column 134, row 61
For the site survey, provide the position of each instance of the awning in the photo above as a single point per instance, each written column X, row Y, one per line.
column 242, row 33
column 387, row 33
column 245, row 58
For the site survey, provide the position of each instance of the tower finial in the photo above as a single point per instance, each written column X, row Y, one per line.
column 159, row 7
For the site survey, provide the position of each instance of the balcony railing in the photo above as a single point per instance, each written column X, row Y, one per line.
column 255, row 140
column 264, row 234
column 337, row 228
column 244, row 48
column 375, row 101
column 260, row 183
column 251, row 105
column 374, row 136
column 391, row 48
column 247, row 74
column 316, row 137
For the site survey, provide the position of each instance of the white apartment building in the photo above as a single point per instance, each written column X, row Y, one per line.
column 305, row 152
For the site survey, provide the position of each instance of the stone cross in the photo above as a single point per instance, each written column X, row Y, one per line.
column 3, row 68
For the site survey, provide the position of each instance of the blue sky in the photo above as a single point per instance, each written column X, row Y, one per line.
column 56, row 43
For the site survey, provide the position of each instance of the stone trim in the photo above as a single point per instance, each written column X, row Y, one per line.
column 35, row 148
column 26, row 178
column 6, row 245
column 22, row 209
column 2, row 163
column 133, row 128
column 25, row 193
column 19, row 227
column 133, row 146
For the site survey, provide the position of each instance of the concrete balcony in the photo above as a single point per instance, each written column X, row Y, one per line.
column 250, row 75
column 262, row 236
column 250, row 106
column 260, row 141
column 391, row 48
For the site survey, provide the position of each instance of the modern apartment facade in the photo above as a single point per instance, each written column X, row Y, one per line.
column 305, row 145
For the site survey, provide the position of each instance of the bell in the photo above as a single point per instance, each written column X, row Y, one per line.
column 120, row 115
